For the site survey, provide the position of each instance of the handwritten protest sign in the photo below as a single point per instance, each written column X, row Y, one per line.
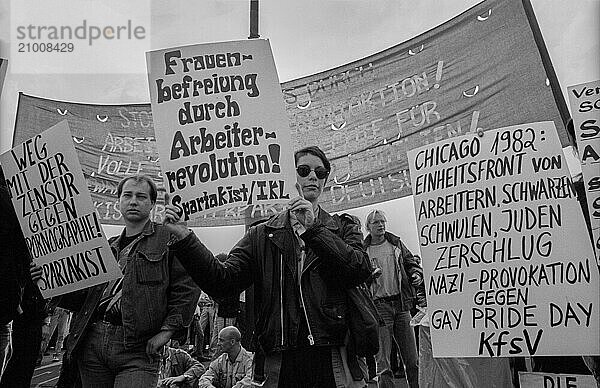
column 508, row 263
column 53, row 204
column 222, row 133
column 585, row 108
column 552, row 380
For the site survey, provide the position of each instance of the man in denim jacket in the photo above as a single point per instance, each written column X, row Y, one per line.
column 118, row 333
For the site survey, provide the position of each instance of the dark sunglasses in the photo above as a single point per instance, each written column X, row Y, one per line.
column 303, row 170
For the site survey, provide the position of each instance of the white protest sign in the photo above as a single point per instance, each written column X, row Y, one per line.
column 55, row 210
column 552, row 380
column 585, row 109
column 222, row 133
column 508, row 262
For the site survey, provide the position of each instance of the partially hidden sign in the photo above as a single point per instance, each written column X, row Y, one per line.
column 585, row 108
column 554, row 380
column 222, row 134
column 53, row 204
column 508, row 263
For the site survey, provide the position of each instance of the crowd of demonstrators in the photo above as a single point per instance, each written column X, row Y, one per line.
column 233, row 367
column 121, row 326
column 301, row 262
column 178, row 368
column 394, row 293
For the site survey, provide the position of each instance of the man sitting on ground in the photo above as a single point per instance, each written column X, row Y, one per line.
column 233, row 368
column 178, row 368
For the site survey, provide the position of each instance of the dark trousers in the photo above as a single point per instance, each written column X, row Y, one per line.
column 307, row 368
column 26, row 341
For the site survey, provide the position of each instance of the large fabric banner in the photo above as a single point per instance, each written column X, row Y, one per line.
column 486, row 68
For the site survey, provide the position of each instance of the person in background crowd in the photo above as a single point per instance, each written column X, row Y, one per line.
column 177, row 368
column 60, row 320
column 22, row 308
column 301, row 261
column 415, row 309
column 233, row 368
column 205, row 324
column 226, row 311
column 136, row 314
column 394, row 295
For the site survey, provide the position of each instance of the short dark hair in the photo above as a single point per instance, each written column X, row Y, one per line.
column 139, row 178
column 313, row 150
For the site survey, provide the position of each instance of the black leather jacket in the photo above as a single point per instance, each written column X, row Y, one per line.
column 286, row 302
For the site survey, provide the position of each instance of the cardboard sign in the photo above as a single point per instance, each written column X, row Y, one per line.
column 54, row 207
column 585, row 107
column 509, row 266
column 222, row 133
column 552, row 380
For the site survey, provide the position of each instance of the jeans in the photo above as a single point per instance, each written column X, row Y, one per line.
column 397, row 328
column 105, row 362
column 5, row 346
column 206, row 319
column 59, row 321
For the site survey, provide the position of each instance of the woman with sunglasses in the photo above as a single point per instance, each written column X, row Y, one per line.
column 300, row 261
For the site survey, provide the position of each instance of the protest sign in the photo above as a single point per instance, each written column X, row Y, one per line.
column 53, row 204
column 222, row 134
column 509, row 266
column 585, row 108
column 552, row 380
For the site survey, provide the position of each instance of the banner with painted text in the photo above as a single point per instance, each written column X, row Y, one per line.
column 222, row 134
column 53, row 204
column 554, row 380
column 486, row 68
column 585, row 108
column 509, row 266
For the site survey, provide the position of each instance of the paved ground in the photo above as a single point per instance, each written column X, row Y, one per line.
column 47, row 374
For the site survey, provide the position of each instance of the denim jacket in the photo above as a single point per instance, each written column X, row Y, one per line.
column 157, row 294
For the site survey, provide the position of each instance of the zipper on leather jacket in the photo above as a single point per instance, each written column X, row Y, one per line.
column 281, row 295
column 310, row 337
